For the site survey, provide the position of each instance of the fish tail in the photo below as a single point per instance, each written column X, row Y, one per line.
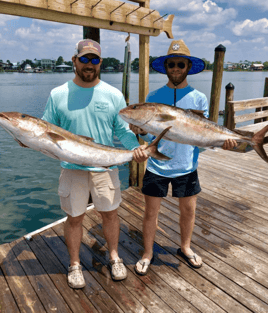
column 152, row 148
column 258, row 140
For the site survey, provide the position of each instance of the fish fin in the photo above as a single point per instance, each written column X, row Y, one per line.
column 258, row 140
column 55, row 137
column 152, row 148
column 87, row 138
column 165, row 118
column 21, row 144
column 200, row 113
column 245, row 133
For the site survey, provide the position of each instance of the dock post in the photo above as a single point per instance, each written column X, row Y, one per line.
column 216, row 83
column 229, row 96
column 265, row 94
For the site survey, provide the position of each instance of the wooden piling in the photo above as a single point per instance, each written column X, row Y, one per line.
column 229, row 96
column 216, row 83
column 265, row 94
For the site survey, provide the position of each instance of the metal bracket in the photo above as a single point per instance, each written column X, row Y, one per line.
column 160, row 18
column 147, row 15
column 93, row 6
column 117, row 7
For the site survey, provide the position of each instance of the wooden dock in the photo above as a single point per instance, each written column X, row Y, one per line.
column 231, row 235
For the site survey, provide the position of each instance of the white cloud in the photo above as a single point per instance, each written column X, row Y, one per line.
column 263, row 4
column 4, row 18
column 210, row 15
column 250, row 28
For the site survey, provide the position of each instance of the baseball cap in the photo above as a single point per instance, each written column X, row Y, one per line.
column 87, row 46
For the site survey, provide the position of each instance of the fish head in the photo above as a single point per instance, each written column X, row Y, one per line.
column 138, row 114
column 19, row 124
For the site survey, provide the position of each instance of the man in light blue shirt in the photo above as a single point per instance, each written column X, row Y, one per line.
column 181, row 170
column 89, row 107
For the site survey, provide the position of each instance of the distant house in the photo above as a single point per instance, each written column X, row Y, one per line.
column 109, row 69
column 48, row 64
column 257, row 67
column 28, row 68
column 229, row 66
column 64, row 68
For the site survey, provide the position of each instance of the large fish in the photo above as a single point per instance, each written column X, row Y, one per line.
column 188, row 127
column 58, row 143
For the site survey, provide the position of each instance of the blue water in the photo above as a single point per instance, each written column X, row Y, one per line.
column 29, row 179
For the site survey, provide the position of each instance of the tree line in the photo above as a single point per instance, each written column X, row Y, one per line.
column 118, row 66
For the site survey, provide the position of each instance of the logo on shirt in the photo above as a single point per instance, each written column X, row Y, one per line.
column 101, row 107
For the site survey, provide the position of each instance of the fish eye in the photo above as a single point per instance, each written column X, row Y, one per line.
column 23, row 115
column 134, row 107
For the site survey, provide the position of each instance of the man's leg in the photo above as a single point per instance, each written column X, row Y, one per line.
column 187, row 220
column 150, row 221
column 110, row 225
column 73, row 233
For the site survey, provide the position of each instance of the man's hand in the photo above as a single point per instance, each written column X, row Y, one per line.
column 229, row 144
column 136, row 130
column 139, row 154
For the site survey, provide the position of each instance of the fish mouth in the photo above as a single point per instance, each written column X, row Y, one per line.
column 2, row 115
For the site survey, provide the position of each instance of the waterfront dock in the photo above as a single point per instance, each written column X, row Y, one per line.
column 230, row 234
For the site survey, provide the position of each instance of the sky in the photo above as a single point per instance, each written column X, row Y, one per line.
column 241, row 26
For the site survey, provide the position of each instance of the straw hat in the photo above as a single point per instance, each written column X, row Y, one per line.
column 178, row 49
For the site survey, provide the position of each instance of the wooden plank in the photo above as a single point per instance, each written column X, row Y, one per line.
column 250, row 116
column 124, row 299
column 7, row 301
column 249, row 104
column 169, row 273
column 106, row 14
column 93, row 290
column 42, row 284
column 76, row 299
column 253, row 127
column 154, row 289
column 23, row 292
column 222, row 279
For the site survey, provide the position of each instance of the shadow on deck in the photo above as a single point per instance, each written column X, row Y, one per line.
column 231, row 235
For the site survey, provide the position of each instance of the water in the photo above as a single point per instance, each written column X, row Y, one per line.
column 29, row 179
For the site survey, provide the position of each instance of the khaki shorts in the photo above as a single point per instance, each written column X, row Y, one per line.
column 75, row 186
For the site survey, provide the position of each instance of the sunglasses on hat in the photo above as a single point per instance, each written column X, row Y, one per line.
column 173, row 64
column 86, row 60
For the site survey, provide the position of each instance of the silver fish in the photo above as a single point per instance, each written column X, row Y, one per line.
column 58, row 143
column 188, row 127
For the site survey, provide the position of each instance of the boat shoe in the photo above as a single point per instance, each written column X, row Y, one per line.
column 117, row 269
column 75, row 277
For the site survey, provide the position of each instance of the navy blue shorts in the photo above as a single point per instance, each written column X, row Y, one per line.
column 182, row 186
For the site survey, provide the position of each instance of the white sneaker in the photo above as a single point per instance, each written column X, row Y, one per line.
column 75, row 277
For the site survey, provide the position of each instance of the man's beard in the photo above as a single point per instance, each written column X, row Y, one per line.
column 177, row 79
column 83, row 74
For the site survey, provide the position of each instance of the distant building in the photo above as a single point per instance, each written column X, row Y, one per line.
column 28, row 68
column 229, row 66
column 257, row 67
column 48, row 64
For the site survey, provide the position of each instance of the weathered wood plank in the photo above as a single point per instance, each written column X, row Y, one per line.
column 76, row 299
column 241, row 105
column 7, row 301
column 165, row 239
column 43, row 286
column 250, row 116
column 254, row 127
column 104, row 15
column 93, row 290
column 23, row 292
column 89, row 258
column 160, row 290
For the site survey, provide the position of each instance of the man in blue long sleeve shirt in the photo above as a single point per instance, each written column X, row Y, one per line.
column 181, row 170
column 89, row 107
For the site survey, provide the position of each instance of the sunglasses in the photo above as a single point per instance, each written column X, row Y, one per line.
column 173, row 64
column 86, row 60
